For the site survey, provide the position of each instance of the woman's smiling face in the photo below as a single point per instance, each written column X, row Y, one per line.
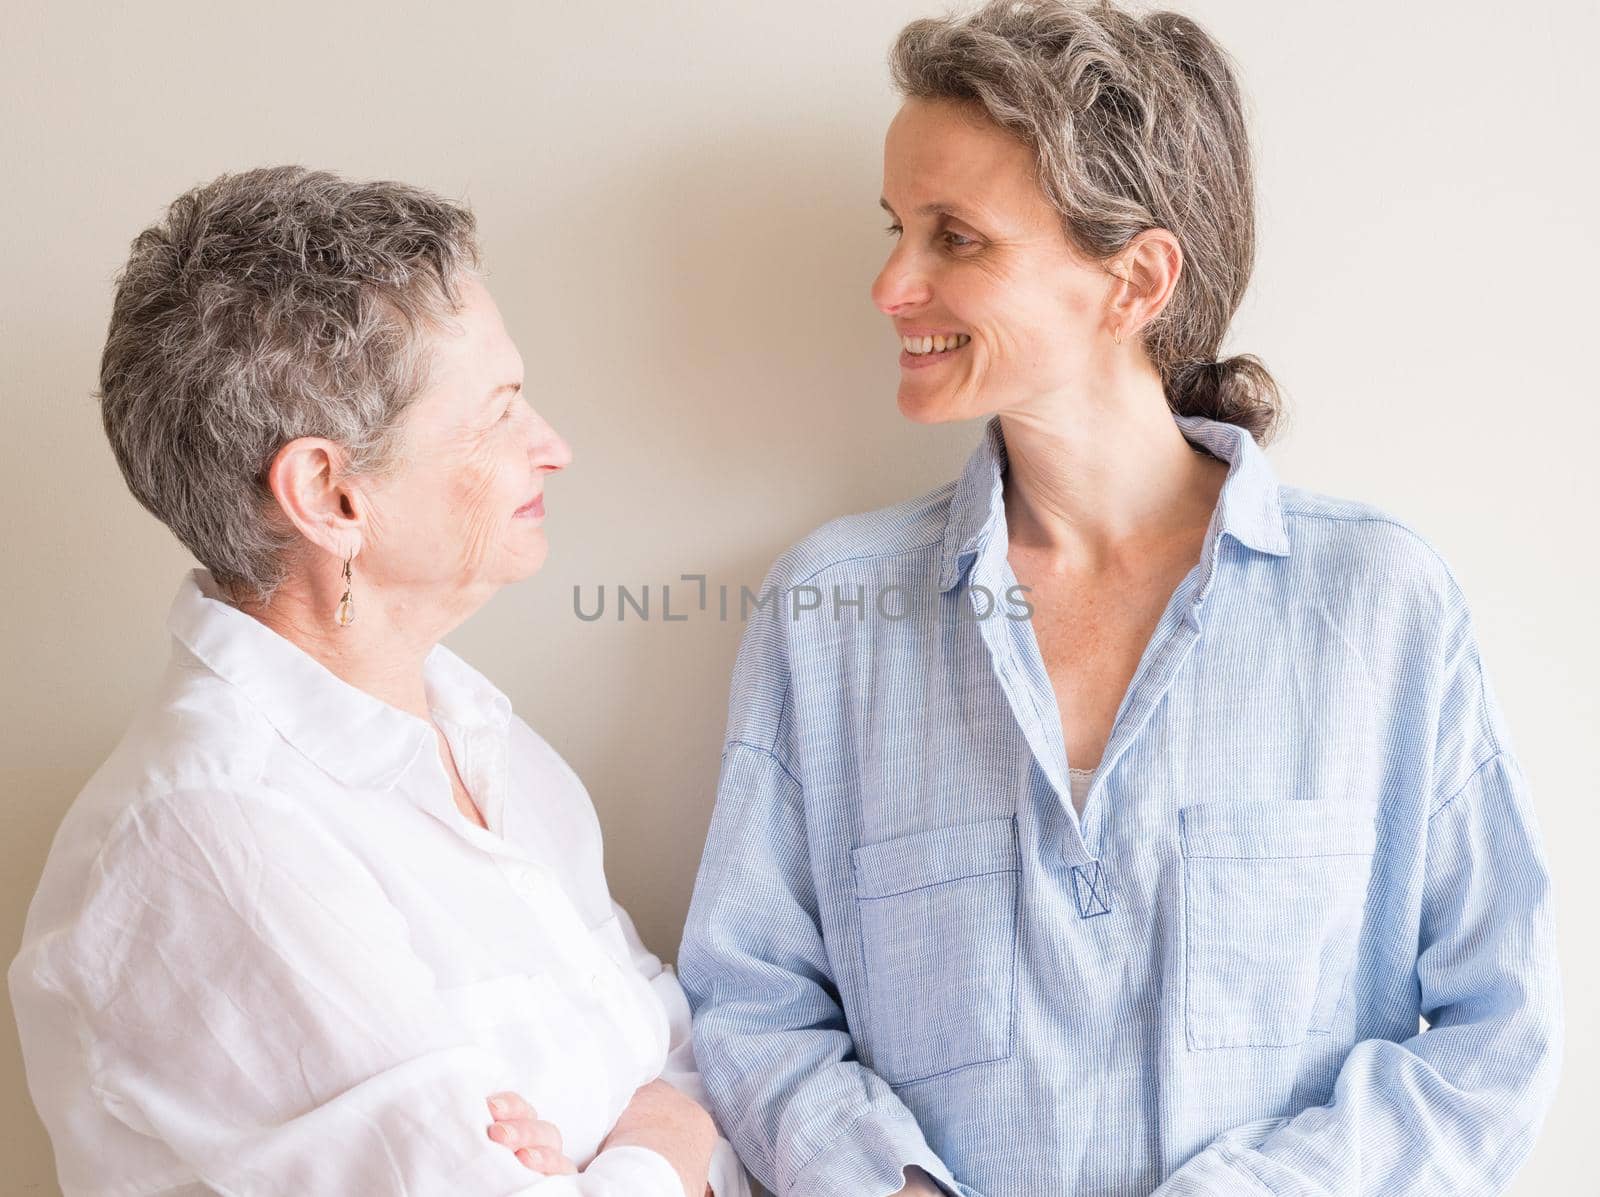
column 463, row 514
column 981, row 260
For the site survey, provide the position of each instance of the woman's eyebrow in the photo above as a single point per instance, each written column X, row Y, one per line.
column 936, row 208
column 492, row 400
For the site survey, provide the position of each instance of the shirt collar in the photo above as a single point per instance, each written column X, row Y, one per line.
column 357, row 739
column 1248, row 509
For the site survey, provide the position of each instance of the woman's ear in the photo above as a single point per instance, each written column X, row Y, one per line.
column 1148, row 269
column 308, row 480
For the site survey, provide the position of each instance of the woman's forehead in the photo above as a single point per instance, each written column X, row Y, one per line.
column 940, row 159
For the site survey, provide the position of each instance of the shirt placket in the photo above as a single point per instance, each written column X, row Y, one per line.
column 607, row 981
column 1019, row 666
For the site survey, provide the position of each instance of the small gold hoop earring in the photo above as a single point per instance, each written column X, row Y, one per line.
column 1116, row 338
column 345, row 615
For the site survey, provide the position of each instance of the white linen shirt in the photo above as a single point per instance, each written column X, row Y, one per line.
column 269, row 955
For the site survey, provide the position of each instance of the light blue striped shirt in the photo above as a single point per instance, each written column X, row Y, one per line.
column 1308, row 831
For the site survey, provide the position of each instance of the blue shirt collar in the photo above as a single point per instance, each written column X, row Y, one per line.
column 1248, row 509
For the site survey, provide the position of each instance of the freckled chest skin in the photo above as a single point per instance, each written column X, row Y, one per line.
column 1091, row 632
column 1092, row 625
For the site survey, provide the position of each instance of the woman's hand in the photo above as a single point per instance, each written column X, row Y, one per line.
column 919, row 1184
column 672, row 1125
column 537, row 1144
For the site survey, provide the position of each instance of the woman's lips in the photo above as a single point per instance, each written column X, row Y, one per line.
column 533, row 510
column 921, row 361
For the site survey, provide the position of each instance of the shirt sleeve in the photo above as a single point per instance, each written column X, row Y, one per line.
column 772, row 1040
column 727, row 1176
column 1456, row 1108
column 246, row 993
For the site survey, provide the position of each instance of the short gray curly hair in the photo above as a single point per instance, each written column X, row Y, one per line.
column 265, row 306
column 1136, row 123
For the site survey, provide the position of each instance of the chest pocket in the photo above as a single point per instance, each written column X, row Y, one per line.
column 1273, row 900
column 938, row 917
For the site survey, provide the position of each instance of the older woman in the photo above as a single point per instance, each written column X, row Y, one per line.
column 331, row 916
column 1152, row 891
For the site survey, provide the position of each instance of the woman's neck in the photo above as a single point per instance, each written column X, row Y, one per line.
column 381, row 652
column 1089, row 478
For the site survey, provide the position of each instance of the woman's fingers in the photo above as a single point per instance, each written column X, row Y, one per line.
column 509, row 1105
column 550, row 1163
column 526, row 1132
column 536, row 1143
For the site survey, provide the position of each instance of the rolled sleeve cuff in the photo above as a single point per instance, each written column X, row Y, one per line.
column 636, row 1170
column 871, row 1159
column 1215, row 1171
column 727, row 1174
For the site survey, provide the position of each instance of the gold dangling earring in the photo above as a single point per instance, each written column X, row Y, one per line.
column 1116, row 338
column 346, row 613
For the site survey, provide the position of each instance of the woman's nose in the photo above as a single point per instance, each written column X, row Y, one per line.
column 899, row 285
column 550, row 452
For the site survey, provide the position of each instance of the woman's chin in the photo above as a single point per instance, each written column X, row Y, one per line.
column 929, row 405
column 528, row 559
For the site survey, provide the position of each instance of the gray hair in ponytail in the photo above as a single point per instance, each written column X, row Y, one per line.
column 1136, row 123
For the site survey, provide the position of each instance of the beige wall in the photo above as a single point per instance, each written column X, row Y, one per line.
column 678, row 204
